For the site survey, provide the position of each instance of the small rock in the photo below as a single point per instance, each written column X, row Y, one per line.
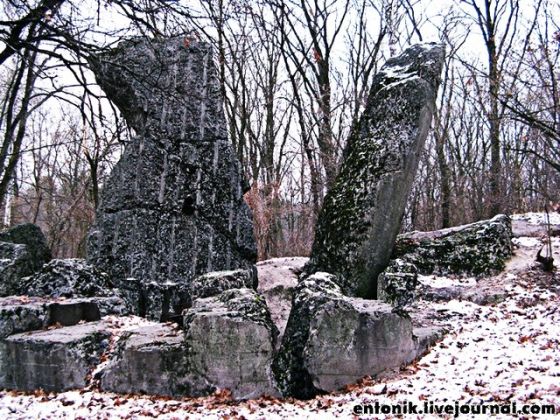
column 68, row 278
column 216, row 282
column 397, row 284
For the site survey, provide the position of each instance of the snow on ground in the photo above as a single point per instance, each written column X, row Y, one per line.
column 504, row 353
column 527, row 242
column 538, row 218
column 442, row 281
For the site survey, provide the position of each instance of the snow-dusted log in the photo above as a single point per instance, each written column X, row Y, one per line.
column 362, row 213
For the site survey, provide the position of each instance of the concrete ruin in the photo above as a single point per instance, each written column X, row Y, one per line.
column 173, row 206
column 23, row 251
column 361, row 214
column 173, row 241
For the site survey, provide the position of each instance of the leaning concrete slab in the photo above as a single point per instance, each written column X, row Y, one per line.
column 361, row 214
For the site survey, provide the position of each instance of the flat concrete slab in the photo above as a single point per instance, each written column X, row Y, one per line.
column 20, row 314
column 148, row 361
column 52, row 360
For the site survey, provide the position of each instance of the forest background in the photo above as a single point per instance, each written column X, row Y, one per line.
column 295, row 76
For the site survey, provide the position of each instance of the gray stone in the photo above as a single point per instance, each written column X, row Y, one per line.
column 216, row 282
column 397, row 284
column 479, row 248
column 426, row 337
column 526, row 225
column 53, row 360
column 33, row 238
column 478, row 295
column 230, row 341
column 333, row 340
column 148, row 360
column 15, row 263
column 68, row 278
column 23, row 314
column 173, row 207
column 19, row 315
column 111, row 305
column 73, row 312
column 23, row 251
column 361, row 214
column 278, row 278
column 157, row 301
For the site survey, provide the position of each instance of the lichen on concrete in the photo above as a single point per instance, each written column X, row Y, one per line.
column 361, row 214
column 172, row 208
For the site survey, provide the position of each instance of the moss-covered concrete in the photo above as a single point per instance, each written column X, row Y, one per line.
column 361, row 214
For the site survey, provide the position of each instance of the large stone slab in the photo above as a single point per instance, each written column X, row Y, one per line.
column 332, row 340
column 173, row 207
column 23, row 251
column 20, row 314
column 361, row 214
column 230, row 341
column 53, row 360
column 148, row 360
column 67, row 278
column 479, row 248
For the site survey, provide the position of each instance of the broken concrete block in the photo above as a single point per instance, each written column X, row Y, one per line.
column 332, row 340
column 148, row 360
column 53, row 360
column 362, row 212
column 278, row 278
column 479, row 248
column 33, row 238
column 216, row 282
column 156, row 301
column 15, row 263
column 68, row 278
column 23, row 251
column 172, row 208
column 230, row 341
column 111, row 305
column 19, row 315
column 397, row 284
